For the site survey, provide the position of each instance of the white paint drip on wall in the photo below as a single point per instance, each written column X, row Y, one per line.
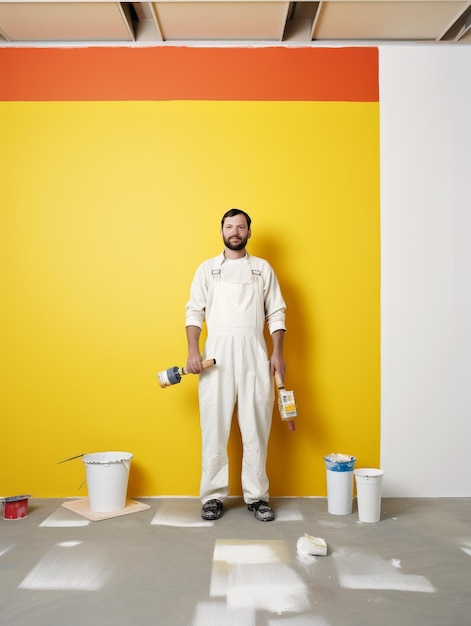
column 63, row 519
column 363, row 571
column 255, row 575
column 185, row 514
column 218, row 614
column 70, row 566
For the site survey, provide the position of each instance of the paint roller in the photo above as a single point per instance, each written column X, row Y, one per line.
column 286, row 403
column 309, row 546
column 173, row 375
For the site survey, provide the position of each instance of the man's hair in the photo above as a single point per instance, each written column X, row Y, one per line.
column 233, row 213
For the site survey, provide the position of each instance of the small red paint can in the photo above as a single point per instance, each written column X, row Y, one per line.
column 15, row 507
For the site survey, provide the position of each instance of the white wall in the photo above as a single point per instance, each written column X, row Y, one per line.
column 425, row 103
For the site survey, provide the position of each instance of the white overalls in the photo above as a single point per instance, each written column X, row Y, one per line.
column 235, row 319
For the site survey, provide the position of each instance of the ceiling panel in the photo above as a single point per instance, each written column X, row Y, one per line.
column 416, row 21
column 218, row 21
column 222, row 20
column 64, row 21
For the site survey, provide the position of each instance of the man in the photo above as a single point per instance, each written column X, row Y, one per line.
column 235, row 294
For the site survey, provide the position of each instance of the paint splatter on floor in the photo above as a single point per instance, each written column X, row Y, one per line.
column 365, row 571
column 288, row 512
column 71, row 566
column 174, row 513
column 275, row 587
column 237, row 551
column 298, row 620
column 218, row 613
column 255, row 575
column 63, row 519
column 4, row 549
column 466, row 547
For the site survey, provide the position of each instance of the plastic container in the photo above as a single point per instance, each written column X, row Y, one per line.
column 107, row 480
column 15, row 507
column 339, row 472
column 369, row 482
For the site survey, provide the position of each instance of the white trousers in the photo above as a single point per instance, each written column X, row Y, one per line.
column 242, row 378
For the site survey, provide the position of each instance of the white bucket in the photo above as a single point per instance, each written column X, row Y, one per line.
column 107, row 480
column 339, row 471
column 369, row 482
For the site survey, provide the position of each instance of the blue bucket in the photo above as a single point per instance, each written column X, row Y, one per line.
column 339, row 483
column 339, row 462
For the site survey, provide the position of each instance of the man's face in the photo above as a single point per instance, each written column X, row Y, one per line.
column 235, row 232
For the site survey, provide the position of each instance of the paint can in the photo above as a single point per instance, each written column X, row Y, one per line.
column 107, row 476
column 339, row 472
column 369, row 482
column 15, row 507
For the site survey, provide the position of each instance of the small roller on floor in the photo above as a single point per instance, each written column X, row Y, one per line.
column 308, row 546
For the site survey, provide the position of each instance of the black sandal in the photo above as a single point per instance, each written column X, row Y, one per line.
column 212, row 509
column 263, row 511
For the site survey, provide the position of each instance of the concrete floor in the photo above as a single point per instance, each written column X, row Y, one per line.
column 164, row 566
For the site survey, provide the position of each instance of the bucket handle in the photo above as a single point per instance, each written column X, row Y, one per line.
column 78, row 456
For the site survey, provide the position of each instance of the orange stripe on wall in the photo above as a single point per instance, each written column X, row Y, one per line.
column 183, row 73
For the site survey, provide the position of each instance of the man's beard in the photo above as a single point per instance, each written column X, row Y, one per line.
column 235, row 245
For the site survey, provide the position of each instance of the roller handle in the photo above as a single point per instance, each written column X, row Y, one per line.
column 173, row 375
column 279, row 383
column 206, row 364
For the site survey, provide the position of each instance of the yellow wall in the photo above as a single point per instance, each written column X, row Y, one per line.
column 107, row 208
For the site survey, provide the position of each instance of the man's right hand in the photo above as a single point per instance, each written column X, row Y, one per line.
column 194, row 364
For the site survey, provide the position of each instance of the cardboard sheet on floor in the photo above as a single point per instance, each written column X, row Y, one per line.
column 82, row 507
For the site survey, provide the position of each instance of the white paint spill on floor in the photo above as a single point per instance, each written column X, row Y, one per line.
column 230, row 553
column 255, row 575
column 298, row 620
column 218, row 614
column 70, row 566
column 393, row 583
column 63, row 519
column 4, row 549
column 239, row 551
column 274, row 587
column 174, row 513
column 329, row 522
column 466, row 547
column 365, row 571
column 288, row 512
